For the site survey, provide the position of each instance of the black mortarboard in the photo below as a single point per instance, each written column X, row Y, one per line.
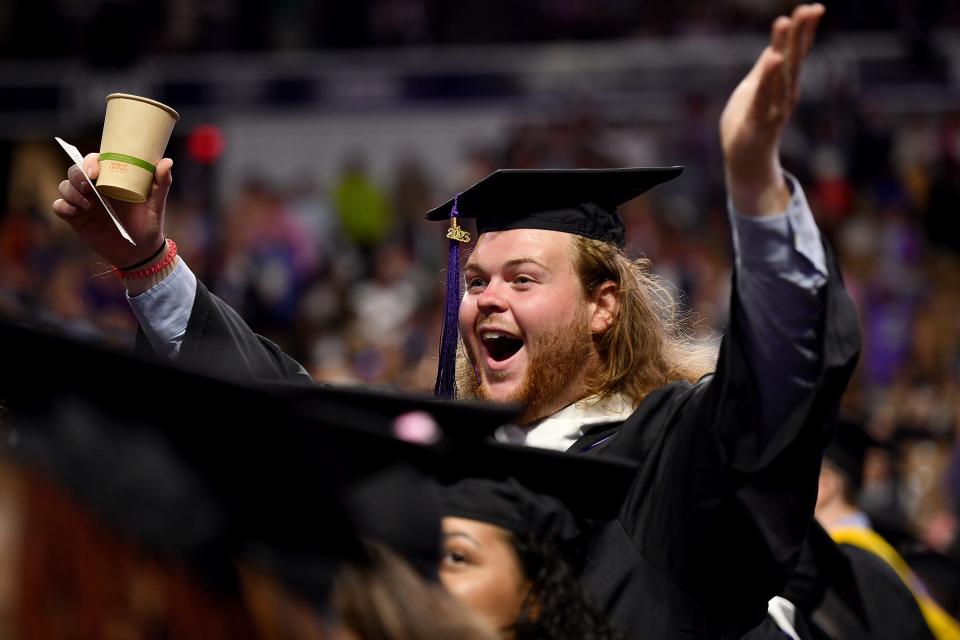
column 291, row 478
column 591, row 487
column 848, row 449
column 462, row 435
column 466, row 422
column 510, row 505
column 579, row 201
column 539, row 494
column 207, row 470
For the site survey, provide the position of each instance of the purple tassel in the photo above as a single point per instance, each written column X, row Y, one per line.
column 445, row 387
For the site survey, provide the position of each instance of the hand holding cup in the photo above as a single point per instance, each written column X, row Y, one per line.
column 130, row 170
column 144, row 221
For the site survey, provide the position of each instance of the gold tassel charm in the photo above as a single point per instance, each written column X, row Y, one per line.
column 455, row 232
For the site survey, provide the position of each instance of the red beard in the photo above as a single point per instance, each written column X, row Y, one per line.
column 555, row 359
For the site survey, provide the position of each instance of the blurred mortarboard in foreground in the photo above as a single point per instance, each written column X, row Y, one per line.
column 202, row 469
column 465, row 422
column 462, row 446
column 209, row 470
column 396, row 479
column 462, row 433
column 579, row 201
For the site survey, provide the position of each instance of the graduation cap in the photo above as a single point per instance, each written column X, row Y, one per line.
column 462, row 446
column 465, row 422
column 579, row 201
column 593, row 488
column 538, row 494
column 511, row 506
column 848, row 449
column 206, row 470
column 463, row 434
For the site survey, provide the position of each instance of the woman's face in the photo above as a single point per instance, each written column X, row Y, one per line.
column 480, row 567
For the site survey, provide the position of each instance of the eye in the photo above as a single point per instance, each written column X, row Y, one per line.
column 454, row 559
column 476, row 282
column 521, row 279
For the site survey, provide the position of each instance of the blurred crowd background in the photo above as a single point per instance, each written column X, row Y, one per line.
column 299, row 190
column 180, row 26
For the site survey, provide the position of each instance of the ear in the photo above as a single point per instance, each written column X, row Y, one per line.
column 828, row 487
column 604, row 306
column 531, row 607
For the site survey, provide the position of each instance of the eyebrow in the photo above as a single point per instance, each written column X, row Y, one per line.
column 511, row 263
column 462, row 534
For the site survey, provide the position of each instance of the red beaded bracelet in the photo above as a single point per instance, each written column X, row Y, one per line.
column 152, row 270
column 156, row 254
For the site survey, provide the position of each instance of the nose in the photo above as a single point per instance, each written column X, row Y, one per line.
column 491, row 299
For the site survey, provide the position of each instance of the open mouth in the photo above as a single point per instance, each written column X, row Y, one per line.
column 501, row 346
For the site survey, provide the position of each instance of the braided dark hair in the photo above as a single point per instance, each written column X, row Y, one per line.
column 557, row 607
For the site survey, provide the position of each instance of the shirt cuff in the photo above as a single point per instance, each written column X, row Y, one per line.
column 163, row 310
column 774, row 241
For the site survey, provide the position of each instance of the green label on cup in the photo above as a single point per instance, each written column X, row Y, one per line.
column 122, row 157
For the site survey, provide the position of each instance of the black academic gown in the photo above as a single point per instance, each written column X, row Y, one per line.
column 805, row 628
column 218, row 342
column 842, row 592
column 716, row 518
column 892, row 612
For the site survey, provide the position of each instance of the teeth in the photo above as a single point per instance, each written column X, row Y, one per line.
column 494, row 335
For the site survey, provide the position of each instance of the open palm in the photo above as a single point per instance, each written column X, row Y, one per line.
column 759, row 109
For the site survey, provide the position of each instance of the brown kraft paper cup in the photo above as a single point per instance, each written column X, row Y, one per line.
column 135, row 134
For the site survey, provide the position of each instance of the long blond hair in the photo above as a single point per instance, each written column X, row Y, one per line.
column 649, row 343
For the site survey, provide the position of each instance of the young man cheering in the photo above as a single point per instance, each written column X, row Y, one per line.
column 556, row 318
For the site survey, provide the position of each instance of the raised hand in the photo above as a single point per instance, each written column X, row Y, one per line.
column 81, row 209
column 758, row 110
